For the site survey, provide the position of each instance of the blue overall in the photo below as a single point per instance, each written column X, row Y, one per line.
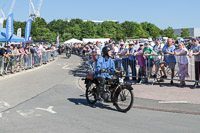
column 106, row 64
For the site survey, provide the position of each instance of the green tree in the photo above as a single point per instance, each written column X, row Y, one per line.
column 109, row 29
column 88, row 30
column 185, row 33
column 75, row 31
column 39, row 28
column 169, row 32
column 67, row 36
column 50, row 37
column 133, row 30
column 120, row 33
column 150, row 30
column 58, row 26
column 79, row 29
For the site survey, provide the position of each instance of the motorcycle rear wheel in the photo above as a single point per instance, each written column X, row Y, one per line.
column 91, row 93
column 124, row 100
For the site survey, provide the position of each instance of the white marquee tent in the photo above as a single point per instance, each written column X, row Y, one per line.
column 86, row 40
column 73, row 40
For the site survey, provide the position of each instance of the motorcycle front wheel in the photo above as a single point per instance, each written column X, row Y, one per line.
column 124, row 100
column 91, row 93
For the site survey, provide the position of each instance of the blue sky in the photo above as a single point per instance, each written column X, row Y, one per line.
column 162, row 13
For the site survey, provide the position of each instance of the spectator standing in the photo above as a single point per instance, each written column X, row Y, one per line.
column 114, row 51
column 195, row 51
column 21, row 55
column 132, row 60
column 16, row 53
column 137, row 46
column 148, row 52
column 158, row 57
column 183, row 61
column 26, row 59
column 117, row 45
column 122, row 55
column 151, row 43
column 11, row 55
column 97, row 51
column 141, row 62
column 169, row 59
column 89, row 52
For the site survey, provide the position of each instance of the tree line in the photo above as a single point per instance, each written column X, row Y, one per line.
column 77, row 28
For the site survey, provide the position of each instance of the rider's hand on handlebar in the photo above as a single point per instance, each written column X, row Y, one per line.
column 103, row 71
column 117, row 71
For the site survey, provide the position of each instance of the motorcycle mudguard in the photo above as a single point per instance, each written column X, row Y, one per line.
column 127, row 87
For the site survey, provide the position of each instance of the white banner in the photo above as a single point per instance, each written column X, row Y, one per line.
column 19, row 32
column 1, row 22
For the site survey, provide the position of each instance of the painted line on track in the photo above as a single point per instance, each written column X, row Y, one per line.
column 167, row 110
column 172, row 102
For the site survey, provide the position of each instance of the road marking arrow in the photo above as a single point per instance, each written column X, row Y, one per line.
column 49, row 109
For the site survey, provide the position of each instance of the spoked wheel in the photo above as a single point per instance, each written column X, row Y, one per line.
column 91, row 93
column 124, row 100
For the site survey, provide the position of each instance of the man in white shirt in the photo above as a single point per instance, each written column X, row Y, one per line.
column 114, row 51
column 121, row 53
column 137, row 46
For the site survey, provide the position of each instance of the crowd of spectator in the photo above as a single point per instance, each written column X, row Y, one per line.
column 23, row 56
column 140, row 59
column 151, row 56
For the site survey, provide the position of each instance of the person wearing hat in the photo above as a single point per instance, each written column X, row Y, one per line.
column 148, row 52
column 157, row 58
column 132, row 60
column 88, row 52
column 151, row 42
column 124, row 60
column 195, row 51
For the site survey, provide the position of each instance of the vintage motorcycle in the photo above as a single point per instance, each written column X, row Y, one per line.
column 115, row 91
column 68, row 52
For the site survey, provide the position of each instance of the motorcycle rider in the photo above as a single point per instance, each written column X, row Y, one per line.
column 105, row 66
column 68, row 50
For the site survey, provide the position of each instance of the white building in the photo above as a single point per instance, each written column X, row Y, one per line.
column 194, row 32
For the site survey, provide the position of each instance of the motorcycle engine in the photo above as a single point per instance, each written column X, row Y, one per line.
column 105, row 95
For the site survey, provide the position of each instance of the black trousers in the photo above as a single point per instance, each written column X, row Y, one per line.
column 197, row 70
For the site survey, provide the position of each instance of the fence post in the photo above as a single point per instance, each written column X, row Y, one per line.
column 1, row 65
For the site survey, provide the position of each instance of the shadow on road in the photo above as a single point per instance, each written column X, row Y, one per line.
column 80, row 101
column 167, row 84
column 80, row 71
column 65, row 58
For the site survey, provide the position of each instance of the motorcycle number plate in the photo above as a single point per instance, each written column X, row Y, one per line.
column 121, row 80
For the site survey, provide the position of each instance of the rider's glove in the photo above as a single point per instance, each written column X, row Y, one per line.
column 103, row 71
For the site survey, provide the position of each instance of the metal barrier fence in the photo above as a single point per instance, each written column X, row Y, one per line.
column 141, row 68
column 1, row 65
column 183, row 68
column 17, row 63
